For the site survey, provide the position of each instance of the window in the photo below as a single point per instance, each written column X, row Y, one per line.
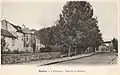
column 13, row 41
column 26, row 38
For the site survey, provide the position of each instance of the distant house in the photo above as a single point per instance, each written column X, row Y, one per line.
column 106, row 46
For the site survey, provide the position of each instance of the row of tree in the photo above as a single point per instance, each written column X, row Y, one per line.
column 76, row 27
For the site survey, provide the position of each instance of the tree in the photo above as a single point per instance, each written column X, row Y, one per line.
column 3, row 43
column 115, row 44
column 76, row 21
column 76, row 27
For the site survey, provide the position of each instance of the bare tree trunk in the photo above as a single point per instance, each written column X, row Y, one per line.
column 69, row 52
column 24, row 42
column 75, row 51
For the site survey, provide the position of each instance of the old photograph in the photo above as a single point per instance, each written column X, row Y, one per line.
column 59, row 33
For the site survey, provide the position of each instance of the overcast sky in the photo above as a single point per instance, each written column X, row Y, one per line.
column 43, row 14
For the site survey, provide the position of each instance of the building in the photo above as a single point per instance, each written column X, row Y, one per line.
column 106, row 46
column 16, row 37
column 27, row 39
column 11, row 35
column 37, row 42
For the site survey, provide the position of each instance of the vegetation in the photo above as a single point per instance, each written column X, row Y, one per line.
column 115, row 44
column 14, row 52
column 3, row 43
column 76, row 27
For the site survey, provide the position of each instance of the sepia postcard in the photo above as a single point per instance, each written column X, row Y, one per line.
column 59, row 37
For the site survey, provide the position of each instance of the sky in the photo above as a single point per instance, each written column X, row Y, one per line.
column 37, row 15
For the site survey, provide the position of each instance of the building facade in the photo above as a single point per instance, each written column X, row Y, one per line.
column 14, row 42
column 16, row 37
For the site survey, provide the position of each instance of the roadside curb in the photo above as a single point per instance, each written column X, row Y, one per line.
column 66, row 59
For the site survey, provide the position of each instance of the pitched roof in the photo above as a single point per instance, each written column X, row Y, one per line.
column 18, row 28
column 7, row 33
column 22, row 30
column 26, row 30
column 13, row 33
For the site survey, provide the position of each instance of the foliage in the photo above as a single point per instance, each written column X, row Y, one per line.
column 115, row 44
column 14, row 52
column 75, row 27
column 3, row 43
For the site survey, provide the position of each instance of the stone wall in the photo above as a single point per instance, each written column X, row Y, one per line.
column 18, row 58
